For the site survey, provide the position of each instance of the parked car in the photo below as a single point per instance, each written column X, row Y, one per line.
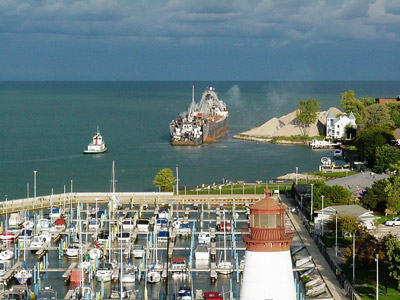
column 393, row 222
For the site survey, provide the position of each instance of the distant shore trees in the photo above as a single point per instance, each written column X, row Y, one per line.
column 307, row 114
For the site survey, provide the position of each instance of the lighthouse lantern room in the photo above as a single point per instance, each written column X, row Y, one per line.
column 268, row 272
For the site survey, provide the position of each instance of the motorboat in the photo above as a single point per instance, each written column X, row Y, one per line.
column 102, row 237
column 138, row 251
column 55, row 213
column 39, row 241
column 185, row 293
column 43, row 225
column 95, row 253
column 142, row 225
column 94, row 224
column 104, row 272
column 163, row 213
column 161, row 223
column 117, row 294
column 83, row 293
column 153, row 276
column 97, row 145
column 47, row 294
column 6, row 255
column 124, row 237
column 178, row 264
column 225, row 267
column 128, row 273
column 184, row 229
column 204, row 237
column 60, row 224
column 8, row 235
column 25, row 236
column 3, row 269
column 73, row 250
column 23, row 276
column 202, row 252
column 28, row 224
column 212, row 296
column 163, row 235
column 128, row 225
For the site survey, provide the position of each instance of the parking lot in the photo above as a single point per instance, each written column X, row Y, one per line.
column 383, row 230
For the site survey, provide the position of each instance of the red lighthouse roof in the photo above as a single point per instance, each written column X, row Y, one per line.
column 268, row 231
column 267, row 205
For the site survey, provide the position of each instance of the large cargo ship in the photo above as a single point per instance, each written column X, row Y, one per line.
column 203, row 123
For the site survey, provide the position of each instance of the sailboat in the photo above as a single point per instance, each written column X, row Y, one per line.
column 23, row 275
column 225, row 266
column 154, row 273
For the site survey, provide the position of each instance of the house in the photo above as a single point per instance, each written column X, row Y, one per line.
column 364, row 216
column 336, row 126
column 358, row 183
column 386, row 100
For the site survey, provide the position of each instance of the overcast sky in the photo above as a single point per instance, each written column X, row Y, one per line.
column 199, row 40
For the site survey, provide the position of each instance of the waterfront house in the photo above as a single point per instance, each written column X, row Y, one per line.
column 336, row 126
column 386, row 100
column 364, row 216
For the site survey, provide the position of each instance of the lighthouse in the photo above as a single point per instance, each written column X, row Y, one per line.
column 268, row 270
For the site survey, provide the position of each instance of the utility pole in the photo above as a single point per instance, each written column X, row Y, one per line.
column 323, row 216
column 312, row 201
column 177, row 180
column 377, row 276
column 354, row 257
column 34, row 189
column 336, row 236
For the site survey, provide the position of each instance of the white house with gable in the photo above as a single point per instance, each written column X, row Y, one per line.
column 336, row 126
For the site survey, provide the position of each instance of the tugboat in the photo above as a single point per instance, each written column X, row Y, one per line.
column 204, row 122
column 97, row 145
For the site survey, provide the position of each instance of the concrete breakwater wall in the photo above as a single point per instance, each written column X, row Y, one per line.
column 65, row 200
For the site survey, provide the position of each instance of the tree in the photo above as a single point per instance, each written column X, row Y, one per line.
column 384, row 156
column 307, row 113
column 394, row 110
column 392, row 188
column 333, row 195
column 349, row 103
column 393, row 256
column 376, row 198
column 377, row 115
column 346, row 224
column 164, row 179
column 368, row 139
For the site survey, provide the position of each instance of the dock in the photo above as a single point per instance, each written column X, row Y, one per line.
column 67, row 273
column 11, row 272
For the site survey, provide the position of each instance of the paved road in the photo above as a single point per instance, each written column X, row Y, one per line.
column 330, row 279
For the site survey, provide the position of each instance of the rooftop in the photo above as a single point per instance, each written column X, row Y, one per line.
column 357, row 182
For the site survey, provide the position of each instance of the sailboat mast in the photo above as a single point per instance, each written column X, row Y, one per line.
column 224, row 238
column 113, row 178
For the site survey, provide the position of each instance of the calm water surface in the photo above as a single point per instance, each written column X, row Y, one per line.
column 45, row 126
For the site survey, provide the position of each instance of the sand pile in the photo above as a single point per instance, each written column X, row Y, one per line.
column 288, row 126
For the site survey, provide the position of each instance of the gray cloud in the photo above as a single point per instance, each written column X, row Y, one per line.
column 272, row 23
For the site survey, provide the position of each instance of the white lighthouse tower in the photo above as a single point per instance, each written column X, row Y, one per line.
column 268, row 270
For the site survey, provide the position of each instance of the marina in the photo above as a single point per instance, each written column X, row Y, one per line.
column 193, row 259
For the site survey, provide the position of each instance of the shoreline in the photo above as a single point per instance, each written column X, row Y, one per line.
column 272, row 140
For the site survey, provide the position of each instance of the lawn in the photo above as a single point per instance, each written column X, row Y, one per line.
column 237, row 189
column 365, row 280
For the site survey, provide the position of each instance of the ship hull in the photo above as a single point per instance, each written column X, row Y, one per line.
column 186, row 143
column 215, row 130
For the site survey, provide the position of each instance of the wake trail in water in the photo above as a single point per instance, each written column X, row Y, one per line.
column 47, row 159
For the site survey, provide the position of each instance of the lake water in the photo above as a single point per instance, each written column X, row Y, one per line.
column 45, row 126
